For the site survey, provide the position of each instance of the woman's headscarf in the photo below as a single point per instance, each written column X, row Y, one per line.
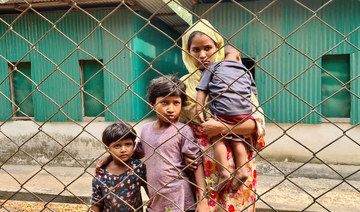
column 192, row 79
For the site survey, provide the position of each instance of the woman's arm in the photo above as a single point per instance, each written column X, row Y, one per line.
column 212, row 128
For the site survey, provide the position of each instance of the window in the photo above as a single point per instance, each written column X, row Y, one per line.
column 249, row 64
column 93, row 94
column 21, row 88
column 338, row 106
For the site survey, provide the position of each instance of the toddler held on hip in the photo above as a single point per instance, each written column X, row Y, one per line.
column 229, row 85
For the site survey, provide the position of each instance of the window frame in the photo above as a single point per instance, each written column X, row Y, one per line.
column 339, row 119
column 12, row 93
column 87, row 118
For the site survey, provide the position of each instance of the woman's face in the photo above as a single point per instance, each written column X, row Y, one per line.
column 202, row 50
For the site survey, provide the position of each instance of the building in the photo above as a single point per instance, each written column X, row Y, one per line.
column 77, row 60
column 303, row 54
column 305, row 57
column 68, row 69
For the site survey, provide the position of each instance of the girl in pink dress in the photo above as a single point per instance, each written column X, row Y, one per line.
column 164, row 143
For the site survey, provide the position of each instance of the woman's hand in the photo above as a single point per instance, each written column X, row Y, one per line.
column 190, row 159
column 212, row 127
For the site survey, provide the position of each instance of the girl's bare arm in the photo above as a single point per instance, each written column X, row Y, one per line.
column 103, row 162
column 203, row 205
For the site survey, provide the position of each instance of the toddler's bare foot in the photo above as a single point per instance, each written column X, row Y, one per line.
column 223, row 180
column 239, row 179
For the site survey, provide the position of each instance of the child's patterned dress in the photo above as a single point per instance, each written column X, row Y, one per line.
column 120, row 192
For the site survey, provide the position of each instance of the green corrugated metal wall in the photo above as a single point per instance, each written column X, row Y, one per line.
column 120, row 64
column 16, row 48
column 149, row 47
column 277, row 68
column 62, row 60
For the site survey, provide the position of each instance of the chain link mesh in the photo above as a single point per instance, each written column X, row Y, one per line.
column 286, row 178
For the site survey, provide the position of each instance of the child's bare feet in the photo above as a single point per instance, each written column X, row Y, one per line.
column 223, row 180
column 239, row 179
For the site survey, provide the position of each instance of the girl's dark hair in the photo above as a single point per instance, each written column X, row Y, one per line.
column 193, row 34
column 168, row 85
column 118, row 131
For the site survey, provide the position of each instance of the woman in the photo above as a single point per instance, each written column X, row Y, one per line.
column 202, row 46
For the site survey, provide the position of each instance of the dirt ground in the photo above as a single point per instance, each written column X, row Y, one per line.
column 13, row 206
column 295, row 194
column 298, row 194
column 313, row 189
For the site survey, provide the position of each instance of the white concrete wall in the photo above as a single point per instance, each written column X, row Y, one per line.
column 83, row 142
column 335, row 142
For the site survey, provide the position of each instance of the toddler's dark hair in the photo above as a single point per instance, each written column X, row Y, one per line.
column 229, row 49
column 168, row 85
column 118, row 131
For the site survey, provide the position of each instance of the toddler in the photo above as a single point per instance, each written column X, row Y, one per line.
column 229, row 85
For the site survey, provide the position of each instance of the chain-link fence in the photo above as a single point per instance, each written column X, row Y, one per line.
column 68, row 68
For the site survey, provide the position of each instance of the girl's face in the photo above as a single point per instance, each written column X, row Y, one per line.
column 167, row 109
column 202, row 50
column 122, row 150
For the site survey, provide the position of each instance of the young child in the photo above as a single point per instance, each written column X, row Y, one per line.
column 164, row 143
column 118, row 187
column 229, row 85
